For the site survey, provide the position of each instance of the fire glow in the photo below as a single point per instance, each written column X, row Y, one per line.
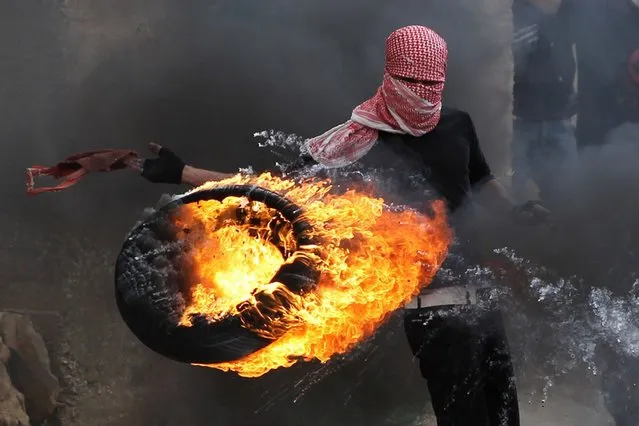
column 371, row 262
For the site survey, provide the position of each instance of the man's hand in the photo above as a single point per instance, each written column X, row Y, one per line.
column 531, row 213
column 494, row 197
column 165, row 168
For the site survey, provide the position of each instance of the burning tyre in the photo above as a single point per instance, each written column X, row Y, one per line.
column 151, row 271
column 257, row 273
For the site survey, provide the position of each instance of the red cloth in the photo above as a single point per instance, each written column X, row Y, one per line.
column 74, row 168
column 407, row 102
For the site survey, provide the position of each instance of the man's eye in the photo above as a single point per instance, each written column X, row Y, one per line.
column 414, row 80
column 409, row 80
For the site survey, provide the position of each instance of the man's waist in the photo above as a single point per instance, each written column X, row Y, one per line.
column 541, row 108
column 451, row 295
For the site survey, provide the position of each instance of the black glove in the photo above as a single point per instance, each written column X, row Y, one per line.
column 531, row 213
column 165, row 168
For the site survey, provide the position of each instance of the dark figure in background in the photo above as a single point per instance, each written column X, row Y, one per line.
column 544, row 144
column 420, row 152
column 606, row 33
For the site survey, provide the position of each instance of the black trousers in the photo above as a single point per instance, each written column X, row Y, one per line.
column 464, row 356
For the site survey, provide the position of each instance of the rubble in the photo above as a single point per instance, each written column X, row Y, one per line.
column 25, row 373
column 12, row 409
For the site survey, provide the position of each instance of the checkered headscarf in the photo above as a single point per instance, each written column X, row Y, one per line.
column 407, row 102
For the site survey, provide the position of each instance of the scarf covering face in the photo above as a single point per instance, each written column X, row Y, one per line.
column 409, row 101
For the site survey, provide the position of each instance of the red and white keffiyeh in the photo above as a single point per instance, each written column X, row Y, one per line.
column 409, row 101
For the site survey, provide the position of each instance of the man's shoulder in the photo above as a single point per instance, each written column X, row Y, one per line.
column 452, row 120
column 453, row 117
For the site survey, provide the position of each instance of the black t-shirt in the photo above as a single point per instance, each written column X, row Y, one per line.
column 544, row 63
column 445, row 163
column 448, row 159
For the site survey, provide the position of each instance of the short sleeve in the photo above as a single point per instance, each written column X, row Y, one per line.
column 478, row 169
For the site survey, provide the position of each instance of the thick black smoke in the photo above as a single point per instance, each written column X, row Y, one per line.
column 211, row 75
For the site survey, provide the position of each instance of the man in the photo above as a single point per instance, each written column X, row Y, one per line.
column 607, row 40
column 416, row 151
column 544, row 144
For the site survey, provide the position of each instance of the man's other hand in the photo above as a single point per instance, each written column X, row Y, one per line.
column 531, row 213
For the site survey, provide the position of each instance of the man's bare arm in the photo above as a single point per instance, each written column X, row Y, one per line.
column 195, row 177
column 168, row 168
column 494, row 197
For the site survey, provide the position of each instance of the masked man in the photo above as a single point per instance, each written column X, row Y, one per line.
column 606, row 34
column 420, row 151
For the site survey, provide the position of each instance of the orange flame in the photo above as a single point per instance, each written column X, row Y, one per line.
column 371, row 262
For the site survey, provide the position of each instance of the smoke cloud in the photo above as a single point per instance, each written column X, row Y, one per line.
column 202, row 77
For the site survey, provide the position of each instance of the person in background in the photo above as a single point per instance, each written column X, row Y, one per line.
column 606, row 34
column 544, row 144
column 420, row 151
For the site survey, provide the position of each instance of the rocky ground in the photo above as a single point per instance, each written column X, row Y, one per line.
column 28, row 389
